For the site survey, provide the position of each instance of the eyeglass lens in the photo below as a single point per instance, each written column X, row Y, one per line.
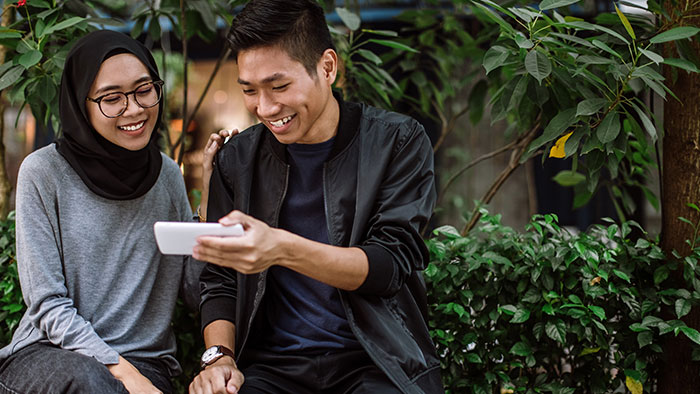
column 145, row 96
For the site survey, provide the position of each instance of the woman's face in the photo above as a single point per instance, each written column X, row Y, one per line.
column 132, row 129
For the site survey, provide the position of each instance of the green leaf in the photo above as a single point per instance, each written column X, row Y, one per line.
column 138, row 27
column 691, row 333
column 606, row 48
column 682, row 307
column 30, row 58
column 548, row 309
column 495, row 57
column 538, row 65
column 609, row 128
column 47, row 90
column 518, row 93
column 473, row 358
column 63, row 25
column 621, row 275
column 393, row 44
column 569, row 178
column 590, row 106
column 589, row 350
column 9, row 33
column 520, row 316
column 11, row 76
column 575, row 39
column 154, row 29
column 369, row 55
column 489, row 13
column 682, row 63
column 508, row 309
column 521, row 349
column 587, row 59
column 661, row 274
column 556, row 330
column 677, row 33
column 648, row 125
column 522, row 41
column 654, row 57
column 550, row 4
column 385, row 33
column 555, row 128
column 349, row 18
column 625, row 22
column 598, row 311
column 644, row 338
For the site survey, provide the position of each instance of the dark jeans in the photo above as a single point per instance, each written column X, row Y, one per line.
column 338, row 373
column 46, row 369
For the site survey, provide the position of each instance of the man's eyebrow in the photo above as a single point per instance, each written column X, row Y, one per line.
column 145, row 78
column 272, row 78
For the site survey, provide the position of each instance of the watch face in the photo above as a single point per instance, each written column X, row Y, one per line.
column 210, row 354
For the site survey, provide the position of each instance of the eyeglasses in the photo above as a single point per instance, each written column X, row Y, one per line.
column 114, row 104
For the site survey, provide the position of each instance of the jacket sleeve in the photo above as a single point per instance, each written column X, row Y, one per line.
column 40, row 268
column 403, row 205
column 218, row 285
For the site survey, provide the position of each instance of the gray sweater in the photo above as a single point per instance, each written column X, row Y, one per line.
column 91, row 274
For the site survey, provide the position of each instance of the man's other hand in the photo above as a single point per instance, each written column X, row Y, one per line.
column 222, row 377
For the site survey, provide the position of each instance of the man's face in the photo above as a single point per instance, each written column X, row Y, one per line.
column 295, row 106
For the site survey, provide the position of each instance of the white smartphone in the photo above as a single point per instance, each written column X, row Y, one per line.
column 181, row 237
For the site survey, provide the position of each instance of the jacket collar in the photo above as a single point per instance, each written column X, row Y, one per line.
column 348, row 125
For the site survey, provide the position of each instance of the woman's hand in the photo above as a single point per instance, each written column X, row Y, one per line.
column 216, row 141
column 132, row 378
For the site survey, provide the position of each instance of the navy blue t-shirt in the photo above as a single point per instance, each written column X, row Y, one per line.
column 303, row 314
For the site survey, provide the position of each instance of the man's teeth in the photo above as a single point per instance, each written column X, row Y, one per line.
column 131, row 128
column 281, row 122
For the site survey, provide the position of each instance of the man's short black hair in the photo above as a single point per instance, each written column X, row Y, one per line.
column 296, row 26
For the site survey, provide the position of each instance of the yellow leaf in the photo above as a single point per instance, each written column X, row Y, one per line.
column 633, row 385
column 558, row 148
column 625, row 22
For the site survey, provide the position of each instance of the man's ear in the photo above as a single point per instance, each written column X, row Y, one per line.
column 328, row 66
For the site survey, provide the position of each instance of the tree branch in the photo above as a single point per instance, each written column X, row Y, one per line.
column 513, row 164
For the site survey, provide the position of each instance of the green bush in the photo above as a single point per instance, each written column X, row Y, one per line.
column 547, row 310
column 11, row 303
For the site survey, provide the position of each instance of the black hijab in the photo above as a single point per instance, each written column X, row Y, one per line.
column 107, row 169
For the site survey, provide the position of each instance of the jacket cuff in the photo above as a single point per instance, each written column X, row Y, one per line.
column 381, row 270
column 218, row 308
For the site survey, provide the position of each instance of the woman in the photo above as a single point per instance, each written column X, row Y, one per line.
column 99, row 295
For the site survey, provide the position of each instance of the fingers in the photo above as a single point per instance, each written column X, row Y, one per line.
column 235, row 217
column 235, row 382
column 210, row 381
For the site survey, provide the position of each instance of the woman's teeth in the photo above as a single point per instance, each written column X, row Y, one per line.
column 132, row 128
column 281, row 122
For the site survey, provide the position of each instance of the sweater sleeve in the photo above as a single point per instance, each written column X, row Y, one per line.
column 40, row 266
column 189, row 283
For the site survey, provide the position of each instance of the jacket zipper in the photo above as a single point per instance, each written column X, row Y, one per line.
column 263, row 279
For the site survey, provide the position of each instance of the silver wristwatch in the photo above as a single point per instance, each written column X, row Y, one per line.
column 214, row 353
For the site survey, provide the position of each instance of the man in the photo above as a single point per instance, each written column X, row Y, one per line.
column 323, row 292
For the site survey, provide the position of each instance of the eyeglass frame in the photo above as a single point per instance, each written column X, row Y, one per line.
column 98, row 100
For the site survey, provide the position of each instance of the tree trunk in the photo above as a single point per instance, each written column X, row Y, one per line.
column 680, row 186
column 5, row 186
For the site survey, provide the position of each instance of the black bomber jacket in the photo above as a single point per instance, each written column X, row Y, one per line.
column 379, row 190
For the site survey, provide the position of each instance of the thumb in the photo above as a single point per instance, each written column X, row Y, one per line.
column 231, row 387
